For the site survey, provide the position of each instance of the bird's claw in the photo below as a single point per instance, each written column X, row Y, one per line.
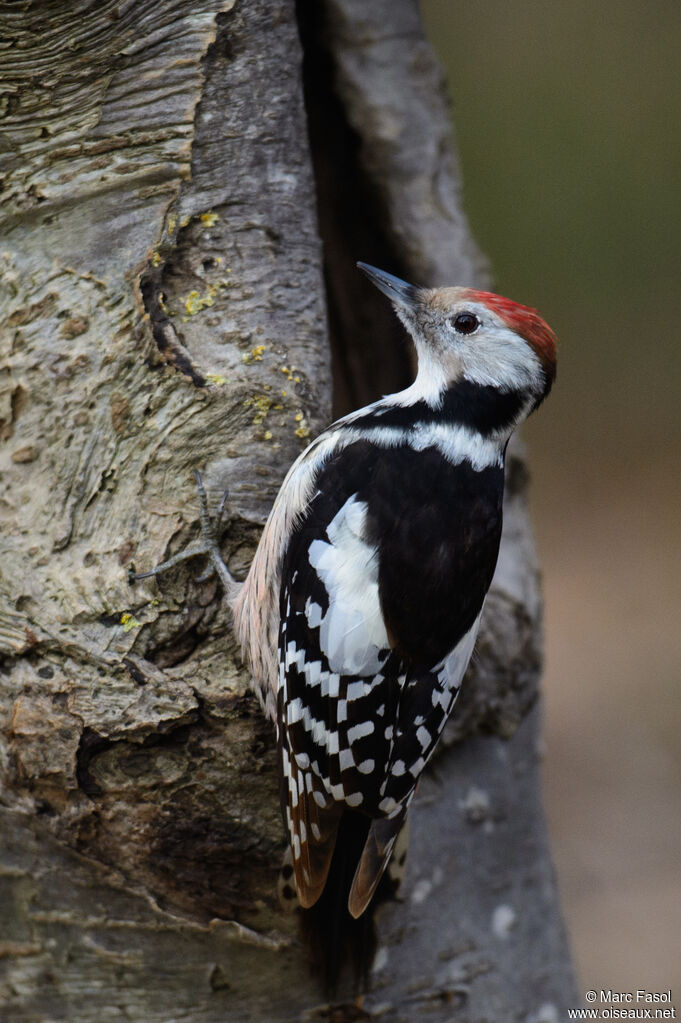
column 206, row 545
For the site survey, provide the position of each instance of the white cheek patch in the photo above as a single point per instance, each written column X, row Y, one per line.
column 352, row 632
column 495, row 356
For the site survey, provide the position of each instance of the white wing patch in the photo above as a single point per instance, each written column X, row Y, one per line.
column 352, row 632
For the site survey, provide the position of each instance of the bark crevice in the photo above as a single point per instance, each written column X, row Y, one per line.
column 370, row 354
column 168, row 341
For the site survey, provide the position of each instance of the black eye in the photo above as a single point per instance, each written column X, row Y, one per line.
column 465, row 323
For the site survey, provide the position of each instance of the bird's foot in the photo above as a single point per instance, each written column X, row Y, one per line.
column 206, row 545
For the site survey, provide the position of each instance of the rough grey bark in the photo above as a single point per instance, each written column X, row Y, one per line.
column 163, row 308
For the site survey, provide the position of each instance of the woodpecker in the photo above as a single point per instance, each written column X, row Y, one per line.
column 360, row 611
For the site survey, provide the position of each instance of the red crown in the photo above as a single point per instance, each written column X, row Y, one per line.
column 524, row 321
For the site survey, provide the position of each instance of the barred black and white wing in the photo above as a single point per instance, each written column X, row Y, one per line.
column 332, row 695
column 369, row 667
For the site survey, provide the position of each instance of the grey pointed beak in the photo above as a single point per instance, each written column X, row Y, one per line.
column 398, row 291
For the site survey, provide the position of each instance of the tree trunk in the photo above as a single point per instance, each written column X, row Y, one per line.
column 169, row 169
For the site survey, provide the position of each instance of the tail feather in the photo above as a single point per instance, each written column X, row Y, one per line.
column 375, row 856
column 340, row 930
column 336, row 938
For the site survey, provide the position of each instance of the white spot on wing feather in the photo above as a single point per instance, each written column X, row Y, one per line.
column 360, row 731
column 346, row 759
column 423, row 736
column 387, row 804
column 313, row 613
column 357, row 689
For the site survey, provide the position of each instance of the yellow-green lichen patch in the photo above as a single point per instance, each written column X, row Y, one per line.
column 217, row 379
column 129, row 622
column 195, row 302
column 262, row 403
column 209, row 218
column 156, row 259
column 303, row 428
column 290, row 372
column 255, row 354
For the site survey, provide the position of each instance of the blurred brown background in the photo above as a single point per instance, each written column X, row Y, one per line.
column 567, row 119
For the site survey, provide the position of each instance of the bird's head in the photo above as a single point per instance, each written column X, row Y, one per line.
column 461, row 333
